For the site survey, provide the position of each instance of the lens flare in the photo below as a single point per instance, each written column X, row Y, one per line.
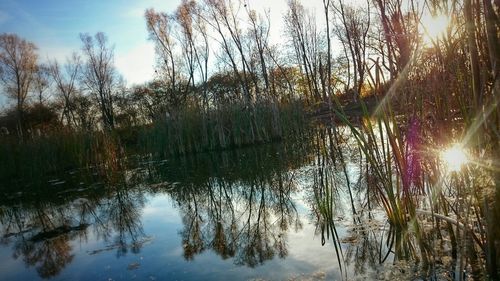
column 455, row 158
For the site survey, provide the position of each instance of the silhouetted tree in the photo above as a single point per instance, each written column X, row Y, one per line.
column 66, row 85
column 352, row 30
column 18, row 67
column 303, row 33
column 41, row 83
column 99, row 74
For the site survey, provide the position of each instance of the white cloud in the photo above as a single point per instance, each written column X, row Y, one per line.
column 52, row 52
column 137, row 64
column 137, row 12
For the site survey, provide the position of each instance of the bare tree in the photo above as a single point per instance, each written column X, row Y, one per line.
column 18, row 67
column 184, row 18
column 259, row 31
column 399, row 33
column 326, row 10
column 99, row 74
column 66, row 85
column 221, row 15
column 352, row 31
column 161, row 27
column 41, row 83
column 194, row 41
column 303, row 34
column 85, row 111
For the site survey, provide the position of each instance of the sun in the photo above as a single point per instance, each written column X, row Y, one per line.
column 454, row 158
column 433, row 27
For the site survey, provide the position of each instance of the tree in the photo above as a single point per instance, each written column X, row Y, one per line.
column 352, row 31
column 99, row 74
column 85, row 112
column 259, row 31
column 41, row 83
column 66, row 85
column 194, row 42
column 151, row 100
column 303, row 33
column 18, row 67
column 399, row 34
column 223, row 17
column 173, row 58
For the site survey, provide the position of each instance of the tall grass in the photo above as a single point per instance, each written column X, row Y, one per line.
column 59, row 152
column 191, row 130
column 413, row 185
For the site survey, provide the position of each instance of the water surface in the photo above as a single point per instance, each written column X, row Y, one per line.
column 247, row 214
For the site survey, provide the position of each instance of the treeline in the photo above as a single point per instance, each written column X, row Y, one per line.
column 55, row 95
column 215, row 58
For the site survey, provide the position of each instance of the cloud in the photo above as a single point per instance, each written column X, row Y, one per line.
column 137, row 64
column 135, row 13
column 56, row 52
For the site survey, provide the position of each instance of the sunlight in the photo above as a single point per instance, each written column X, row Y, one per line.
column 434, row 27
column 454, row 157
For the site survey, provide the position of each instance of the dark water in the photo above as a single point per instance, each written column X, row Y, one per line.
column 247, row 214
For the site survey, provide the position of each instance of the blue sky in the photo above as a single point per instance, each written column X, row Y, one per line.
column 54, row 26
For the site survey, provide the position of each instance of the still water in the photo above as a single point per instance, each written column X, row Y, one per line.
column 246, row 214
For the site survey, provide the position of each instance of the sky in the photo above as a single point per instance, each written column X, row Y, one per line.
column 54, row 26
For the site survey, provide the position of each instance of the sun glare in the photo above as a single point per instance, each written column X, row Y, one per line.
column 433, row 27
column 454, row 157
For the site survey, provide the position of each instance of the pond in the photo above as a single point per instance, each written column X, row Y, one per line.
column 288, row 211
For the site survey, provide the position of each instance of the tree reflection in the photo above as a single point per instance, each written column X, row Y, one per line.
column 123, row 214
column 338, row 185
column 244, row 217
column 363, row 247
column 42, row 230
column 247, row 222
column 341, row 180
column 40, row 236
column 237, row 204
column 48, row 256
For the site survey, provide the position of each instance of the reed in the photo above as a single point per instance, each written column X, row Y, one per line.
column 41, row 157
column 413, row 183
column 191, row 130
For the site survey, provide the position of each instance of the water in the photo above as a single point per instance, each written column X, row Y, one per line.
column 237, row 215
column 272, row 212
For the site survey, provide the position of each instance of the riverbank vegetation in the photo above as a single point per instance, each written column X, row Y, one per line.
column 415, row 83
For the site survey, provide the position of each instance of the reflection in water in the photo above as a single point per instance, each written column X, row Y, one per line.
column 241, row 210
column 48, row 256
column 237, row 204
column 339, row 196
column 123, row 216
column 343, row 194
column 41, row 231
column 241, row 205
column 40, row 238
